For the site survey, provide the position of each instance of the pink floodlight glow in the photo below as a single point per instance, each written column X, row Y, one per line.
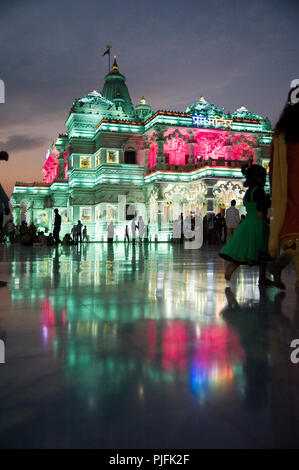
column 211, row 144
column 242, row 137
column 50, row 170
column 242, row 151
column 152, row 154
column 174, row 345
column 172, row 130
column 177, row 150
column 48, row 313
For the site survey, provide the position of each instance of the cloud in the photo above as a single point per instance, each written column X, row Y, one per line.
column 21, row 142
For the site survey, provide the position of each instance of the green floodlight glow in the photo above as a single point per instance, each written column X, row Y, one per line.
column 169, row 120
column 238, row 126
column 207, row 172
column 265, row 139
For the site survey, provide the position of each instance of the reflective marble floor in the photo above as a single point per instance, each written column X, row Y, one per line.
column 144, row 347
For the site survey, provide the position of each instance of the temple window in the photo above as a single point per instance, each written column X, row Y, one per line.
column 85, row 162
column 130, row 211
column 64, row 217
column 85, row 214
column 112, row 156
column 130, row 157
column 111, row 212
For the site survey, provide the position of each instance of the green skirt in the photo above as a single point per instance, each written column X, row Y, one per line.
column 249, row 243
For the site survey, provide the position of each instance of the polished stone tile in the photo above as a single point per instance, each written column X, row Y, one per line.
column 144, row 347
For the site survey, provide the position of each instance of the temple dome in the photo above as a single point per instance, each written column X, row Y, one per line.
column 116, row 90
column 243, row 113
column 205, row 108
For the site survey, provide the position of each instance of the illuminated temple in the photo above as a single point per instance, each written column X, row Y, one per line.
column 115, row 155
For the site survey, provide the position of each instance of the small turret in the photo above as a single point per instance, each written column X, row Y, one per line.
column 143, row 109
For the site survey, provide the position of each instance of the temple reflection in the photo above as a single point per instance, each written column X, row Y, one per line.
column 123, row 324
column 180, row 332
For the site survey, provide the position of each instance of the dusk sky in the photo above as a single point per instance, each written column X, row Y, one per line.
column 232, row 52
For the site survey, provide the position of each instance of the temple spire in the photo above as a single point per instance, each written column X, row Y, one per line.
column 115, row 65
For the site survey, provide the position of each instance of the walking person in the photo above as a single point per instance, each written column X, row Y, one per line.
column 232, row 219
column 85, row 236
column 284, row 178
column 249, row 243
column 57, row 226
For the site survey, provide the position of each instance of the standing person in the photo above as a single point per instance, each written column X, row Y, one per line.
column 176, row 230
column 232, row 219
column 133, row 230
column 284, row 178
column 57, row 226
column 127, row 238
column 85, row 236
column 220, row 223
column 211, row 228
column 249, row 244
column 4, row 200
column 11, row 231
column 79, row 231
column 141, row 228
column 182, row 227
column 110, row 232
column 74, row 234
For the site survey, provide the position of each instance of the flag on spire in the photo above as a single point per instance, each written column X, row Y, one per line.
column 107, row 51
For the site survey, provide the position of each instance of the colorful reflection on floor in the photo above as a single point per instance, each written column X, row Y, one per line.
column 143, row 347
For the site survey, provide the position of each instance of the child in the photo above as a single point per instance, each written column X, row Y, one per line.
column 249, row 243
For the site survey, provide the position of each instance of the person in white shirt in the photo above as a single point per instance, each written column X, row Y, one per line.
column 232, row 219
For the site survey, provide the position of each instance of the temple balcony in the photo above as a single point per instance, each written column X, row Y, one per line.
column 107, row 173
column 211, row 168
column 200, row 163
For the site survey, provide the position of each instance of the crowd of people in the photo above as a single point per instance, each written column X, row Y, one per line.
column 28, row 234
column 217, row 229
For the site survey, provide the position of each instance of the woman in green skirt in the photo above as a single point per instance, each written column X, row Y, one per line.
column 249, row 243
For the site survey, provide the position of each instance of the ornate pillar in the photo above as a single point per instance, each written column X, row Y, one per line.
column 146, row 149
column 29, row 215
column 160, row 142
column 258, row 155
column 210, row 195
column 61, row 174
column 16, row 213
column 191, row 163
